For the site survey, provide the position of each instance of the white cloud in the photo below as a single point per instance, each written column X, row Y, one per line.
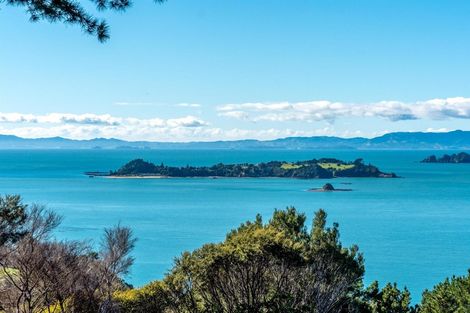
column 60, row 118
column 103, row 120
column 321, row 114
column 189, row 105
column 188, row 121
column 134, row 104
column 437, row 130
column 256, row 106
column 235, row 114
column 323, row 110
column 86, row 126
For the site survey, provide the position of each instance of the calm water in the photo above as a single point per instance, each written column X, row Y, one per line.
column 414, row 230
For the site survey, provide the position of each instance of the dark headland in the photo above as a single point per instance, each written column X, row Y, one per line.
column 321, row 168
column 461, row 157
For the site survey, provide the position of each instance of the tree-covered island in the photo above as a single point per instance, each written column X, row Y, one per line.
column 321, row 168
column 461, row 157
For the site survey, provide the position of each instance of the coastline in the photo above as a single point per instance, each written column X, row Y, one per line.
column 242, row 177
column 135, row 177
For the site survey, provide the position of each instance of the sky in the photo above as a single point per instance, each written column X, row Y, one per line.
column 224, row 69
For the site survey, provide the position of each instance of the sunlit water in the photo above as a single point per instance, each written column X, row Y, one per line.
column 414, row 230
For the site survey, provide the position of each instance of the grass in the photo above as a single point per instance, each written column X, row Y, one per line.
column 336, row 166
column 10, row 271
column 290, row 166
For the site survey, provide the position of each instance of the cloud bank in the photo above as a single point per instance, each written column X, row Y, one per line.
column 178, row 134
column 323, row 110
column 87, row 126
column 103, row 120
column 249, row 121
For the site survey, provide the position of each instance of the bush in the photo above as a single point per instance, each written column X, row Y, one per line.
column 151, row 298
column 452, row 295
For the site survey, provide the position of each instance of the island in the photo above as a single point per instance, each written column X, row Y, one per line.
column 461, row 157
column 328, row 188
column 321, row 168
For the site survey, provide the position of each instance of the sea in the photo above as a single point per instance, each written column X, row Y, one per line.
column 413, row 230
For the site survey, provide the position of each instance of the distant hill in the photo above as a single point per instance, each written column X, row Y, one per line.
column 455, row 140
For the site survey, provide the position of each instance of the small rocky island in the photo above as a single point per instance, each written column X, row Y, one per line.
column 328, row 188
column 321, row 168
column 461, row 157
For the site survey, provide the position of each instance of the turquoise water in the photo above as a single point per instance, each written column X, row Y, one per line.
column 414, row 230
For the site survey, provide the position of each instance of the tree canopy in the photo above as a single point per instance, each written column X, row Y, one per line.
column 12, row 218
column 452, row 295
column 73, row 12
column 41, row 274
column 273, row 267
column 281, row 265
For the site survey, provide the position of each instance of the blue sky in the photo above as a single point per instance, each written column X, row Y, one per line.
column 221, row 69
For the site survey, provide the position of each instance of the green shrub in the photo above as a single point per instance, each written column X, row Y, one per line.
column 151, row 298
column 450, row 296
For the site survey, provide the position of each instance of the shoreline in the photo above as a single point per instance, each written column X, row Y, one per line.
column 135, row 177
column 234, row 177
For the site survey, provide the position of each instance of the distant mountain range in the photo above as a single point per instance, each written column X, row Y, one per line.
column 455, row 140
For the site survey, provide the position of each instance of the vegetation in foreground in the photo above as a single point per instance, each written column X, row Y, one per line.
column 322, row 168
column 274, row 266
column 41, row 274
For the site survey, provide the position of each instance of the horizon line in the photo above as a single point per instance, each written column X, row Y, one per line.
column 235, row 140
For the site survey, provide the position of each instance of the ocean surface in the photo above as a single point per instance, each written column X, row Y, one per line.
column 413, row 230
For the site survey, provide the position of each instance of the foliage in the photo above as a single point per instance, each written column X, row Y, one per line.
column 272, row 267
column 73, row 12
column 452, row 295
column 116, row 246
column 12, row 219
column 40, row 274
column 151, row 298
column 389, row 299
